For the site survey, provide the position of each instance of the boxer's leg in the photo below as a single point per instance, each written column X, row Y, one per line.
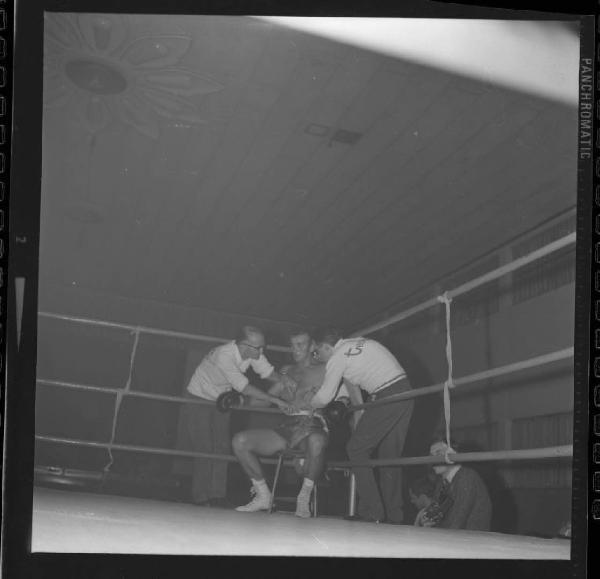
column 248, row 445
column 315, row 454
column 316, row 443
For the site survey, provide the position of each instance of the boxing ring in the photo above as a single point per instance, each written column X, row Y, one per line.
column 87, row 522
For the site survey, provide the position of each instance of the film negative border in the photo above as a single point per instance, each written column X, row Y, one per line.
column 6, row 37
column 589, row 145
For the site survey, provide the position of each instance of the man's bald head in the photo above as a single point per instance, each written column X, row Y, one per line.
column 250, row 342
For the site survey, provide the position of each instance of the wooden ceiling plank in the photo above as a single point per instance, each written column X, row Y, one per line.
column 314, row 106
column 158, row 264
column 427, row 219
column 276, row 179
column 419, row 188
column 127, row 202
column 384, row 297
column 234, row 101
column 383, row 135
column 238, row 57
column 281, row 76
column 245, row 41
column 237, row 140
column 264, row 68
column 380, row 92
column 195, row 159
column 366, row 186
column 495, row 143
column 514, row 163
column 410, row 241
column 325, row 109
column 143, row 236
column 370, row 106
column 434, row 151
column 281, row 114
column 507, row 201
column 360, row 116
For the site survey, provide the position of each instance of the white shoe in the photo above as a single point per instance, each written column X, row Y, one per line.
column 303, row 506
column 260, row 502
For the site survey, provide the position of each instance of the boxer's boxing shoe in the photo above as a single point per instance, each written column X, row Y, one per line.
column 260, row 502
column 303, row 505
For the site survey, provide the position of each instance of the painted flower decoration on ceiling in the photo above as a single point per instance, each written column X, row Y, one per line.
column 92, row 67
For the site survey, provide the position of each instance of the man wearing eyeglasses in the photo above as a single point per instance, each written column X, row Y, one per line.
column 222, row 370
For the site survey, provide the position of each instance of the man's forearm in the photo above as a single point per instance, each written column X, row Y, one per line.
column 322, row 397
column 274, row 377
column 257, row 393
column 355, row 399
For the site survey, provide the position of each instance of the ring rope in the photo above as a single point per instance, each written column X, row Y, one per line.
column 147, row 330
column 483, row 376
column 545, row 359
column 474, row 283
column 550, row 452
column 449, row 383
column 119, row 399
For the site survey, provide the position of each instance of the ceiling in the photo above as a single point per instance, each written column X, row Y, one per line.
column 242, row 165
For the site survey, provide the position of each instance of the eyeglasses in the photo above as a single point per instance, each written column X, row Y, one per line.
column 257, row 348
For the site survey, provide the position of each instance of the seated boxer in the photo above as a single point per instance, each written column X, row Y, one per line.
column 303, row 428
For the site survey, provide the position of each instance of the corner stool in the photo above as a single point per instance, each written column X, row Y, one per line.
column 290, row 454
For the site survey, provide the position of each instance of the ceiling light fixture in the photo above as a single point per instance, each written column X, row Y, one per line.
column 94, row 68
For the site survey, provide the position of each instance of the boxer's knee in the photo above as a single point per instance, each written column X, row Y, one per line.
column 316, row 444
column 241, row 442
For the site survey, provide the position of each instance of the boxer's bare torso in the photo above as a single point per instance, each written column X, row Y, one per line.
column 301, row 382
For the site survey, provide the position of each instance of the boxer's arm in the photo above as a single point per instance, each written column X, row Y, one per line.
column 258, row 394
column 277, row 390
column 278, row 387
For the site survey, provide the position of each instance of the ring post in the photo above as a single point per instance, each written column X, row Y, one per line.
column 352, row 495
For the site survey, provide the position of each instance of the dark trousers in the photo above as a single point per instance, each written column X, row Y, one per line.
column 383, row 428
column 208, row 431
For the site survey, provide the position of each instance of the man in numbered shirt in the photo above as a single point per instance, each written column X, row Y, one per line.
column 368, row 365
column 222, row 370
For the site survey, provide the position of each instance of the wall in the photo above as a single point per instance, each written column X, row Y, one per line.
column 520, row 332
column 528, row 409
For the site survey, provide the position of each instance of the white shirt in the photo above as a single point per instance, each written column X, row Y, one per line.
column 222, row 369
column 363, row 362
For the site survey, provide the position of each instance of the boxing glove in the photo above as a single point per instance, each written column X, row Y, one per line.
column 336, row 412
column 228, row 399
